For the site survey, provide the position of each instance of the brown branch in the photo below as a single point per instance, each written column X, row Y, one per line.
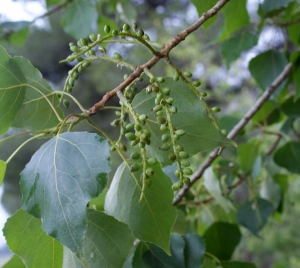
column 274, row 145
column 164, row 52
column 289, row 23
column 237, row 128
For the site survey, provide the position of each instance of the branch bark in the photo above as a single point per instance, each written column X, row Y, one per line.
column 236, row 129
column 164, row 52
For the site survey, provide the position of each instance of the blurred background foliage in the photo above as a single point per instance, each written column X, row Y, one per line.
column 222, row 68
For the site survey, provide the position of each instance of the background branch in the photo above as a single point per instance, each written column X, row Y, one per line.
column 236, row 129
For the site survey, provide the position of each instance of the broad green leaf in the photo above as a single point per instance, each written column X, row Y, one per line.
column 53, row 2
column 221, row 239
column 270, row 191
column 204, row 6
column 291, row 107
column 212, row 185
column 194, row 250
column 40, row 106
column 14, row 262
column 271, row 5
column 127, row 12
column 107, row 242
column 235, row 17
column 60, row 179
column 233, row 47
column 155, row 257
column 11, row 90
column 272, row 62
column 294, row 34
column 201, row 133
column 152, row 218
column 19, row 31
column 209, row 263
column 27, row 239
column 268, row 114
column 247, row 154
column 137, row 260
column 71, row 261
column 295, row 59
column 79, row 18
column 288, row 156
column 19, row 38
column 98, row 202
column 237, row 264
column 254, row 214
column 14, row 26
column 2, row 170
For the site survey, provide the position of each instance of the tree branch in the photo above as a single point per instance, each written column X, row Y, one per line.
column 164, row 52
column 236, row 129
column 286, row 24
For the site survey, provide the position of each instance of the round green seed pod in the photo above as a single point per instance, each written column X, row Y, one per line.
column 134, row 27
column 177, row 173
column 142, row 117
column 134, row 167
column 180, row 184
column 196, row 83
column 152, row 161
column 152, row 80
column 172, row 157
column 216, row 109
column 173, row 109
column 107, row 29
column 165, row 137
column 166, row 91
column 175, row 137
column 115, row 32
column 123, row 147
column 130, row 136
column 74, row 48
column 169, row 100
column 93, row 37
column 160, row 113
column 144, row 137
column 180, row 132
column 115, row 123
column 160, row 80
column 146, row 37
column 135, row 155
column 187, row 74
column 161, row 120
column 126, row 27
column 165, row 147
column 149, row 89
column 186, row 180
column 75, row 75
column 69, row 88
column 149, row 171
column 137, row 127
column 86, row 64
column 176, row 76
column 112, row 148
column 117, row 56
column 179, row 148
column 79, row 43
column 92, row 52
column 175, row 187
column 80, row 69
column 129, row 126
column 102, row 50
column 84, row 41
column 71, row 82
column 66, row 103
column 157, row 108
column 224, row 132
column 187, row 171
column 185, row 163
column 135, row 142
column 155, row 89
column 142, row 144
column 140, row 33
column 183, row 155
column 147, row 133
column 118, row 113
column 204, row 94
column 79, row 59
column 164, row 128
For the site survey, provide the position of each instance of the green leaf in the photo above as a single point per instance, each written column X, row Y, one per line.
column 247, row 154
column 235, row 17
column 60, row 179
column 155, row 257
column 98, row 202
column 18, row 38
column 221, row 239
column 71, row 260
column 212, row 185
column 237, row 264
column 288, row 156
column 2, row 170
column 272, row 62
column 291, row 107
column 294, row 34
column 27, row 239
column 254, row 214
column 19, row 31
column 151, row 219
column 209, row 263
column 53, row 2
column 11, row 90
column 268, row 114
column 40, row 102
column 127, row 12
column 233, row 47
column 194, row 250
column 271, row 5
column 14, row 26
column 137, row 260
column 107, row 242
column 295, row 59
column 79, row 18
column 204, row 6
column 14, row 262
column 270, row 191
column 201, row 133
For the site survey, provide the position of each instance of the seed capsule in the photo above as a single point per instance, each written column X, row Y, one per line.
column 123, row 147
column 115, row 32
column 152, row 80
column 66, row 103
column 179, row 148
column 126, row 27
column 149, row 171
column 165, row 137
column 117, row 56
column 176, row 76
column 175, row 187
column 161, row 120
column 135, row 156
column 160, row 79
column 137, row 127
column 74, row 48
column 135, row 142
column 140, row 33
column 180, row 184
column 186, row 180
column 180, row 132
column 165, row 147
column 149, row 89
column 183, row 155
column 224, row 132
column 130, row 136
column 134, row 167
column 142, row 144
column 146, row 37
column 177, row 173
column 71, row 81
column 115, row 123
column 187, row 171
column 159, row 113
column 93, row 37
column 157, row 108
column 152, row 161
column 86, row 64
column 169, row 100
column 187, row 74
column 75, row 76
column 185, row 163
column 196, row 83
column 107, row 29
column 204, row 94
column 173, row 109
column 164, row 128
column 129, row 126
column 166, row 91
column 155, row 89
column 84, row 41
column 142, row 117
column 172, row 157
column 216, row 109
column 80, row 69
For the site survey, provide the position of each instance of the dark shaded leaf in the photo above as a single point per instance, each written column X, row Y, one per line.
column 237, row 264
column 194, row 250
column 291, row 106
column 203, row 6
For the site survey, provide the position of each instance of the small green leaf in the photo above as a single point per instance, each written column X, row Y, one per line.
column 201, row 133
column 27, row 239
column 107, row 242
column 233, row 47
column 12, row 85
column 14, row 262
column 237, row 264
column 221, row 239
column 152, row 218
column 60, row 179
column 254, row 214
column 40, row 102
column 194, row 250
column 273, row 62
column 288, row 156
column 80, row 18
column 2, row 170
column 212, row 185
column 235, row 16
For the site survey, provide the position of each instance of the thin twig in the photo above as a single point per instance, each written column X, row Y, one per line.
column 286, row 24
column 274, row 145
column 164, row 52
column 237, row 128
